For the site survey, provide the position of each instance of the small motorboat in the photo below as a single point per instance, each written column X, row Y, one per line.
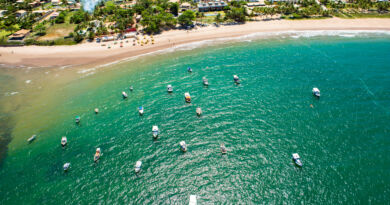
column 316, row 92
column 183, row 146
column 189, row 69
column 187, row 97
column 32, row 138
column 223, row 149
column 141, row 110
column 64, row 141
column 198, row 111
column 170, row 88
column 138, row 165
column 97, row 155
column 131, row 88
column 205, row 81
column 96, row 110
column 297, row 159
column 236, row 79
column 155, row 131
column 66, row 166
column 78, row 118
column 193, row 200
column 124, row 94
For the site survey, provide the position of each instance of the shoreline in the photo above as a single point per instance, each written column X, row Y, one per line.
column 92, row 53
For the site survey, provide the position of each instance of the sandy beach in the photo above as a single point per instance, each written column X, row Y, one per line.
column 92, row 53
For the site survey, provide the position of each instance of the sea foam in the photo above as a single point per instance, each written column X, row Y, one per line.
column 293, row 34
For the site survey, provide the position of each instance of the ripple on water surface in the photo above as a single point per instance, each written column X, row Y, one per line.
column 341, row 138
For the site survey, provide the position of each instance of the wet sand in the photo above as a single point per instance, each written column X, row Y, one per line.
column 92, row 53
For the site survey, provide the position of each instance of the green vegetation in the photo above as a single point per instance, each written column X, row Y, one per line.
column 73, row 25
column 236, row 14
column 40, row 29
column 186, row 18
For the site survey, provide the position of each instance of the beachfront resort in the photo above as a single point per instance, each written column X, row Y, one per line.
column 68, row 22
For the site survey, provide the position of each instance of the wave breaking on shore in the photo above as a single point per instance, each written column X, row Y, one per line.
column 290, row 34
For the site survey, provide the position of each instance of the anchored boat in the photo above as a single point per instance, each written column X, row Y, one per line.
column 66, row 166
column 64, row 141
column 316, row 92
column 183, row 146
column 236, row 79
column 32, row 138
column 198, row 111
column 192, row 200
column 78, row 118
column 96, row 110
column 97, row 155
column 138, row 165
column 124, row 94
column 187, row 97
column 170, row 88
column 141, row 110
column 297, row 159
column 131, row 88
column 223, row 149
column 189, row 69
column 205, row 81
column 155, row 131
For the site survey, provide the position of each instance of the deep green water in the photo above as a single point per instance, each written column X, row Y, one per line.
column 343, row 140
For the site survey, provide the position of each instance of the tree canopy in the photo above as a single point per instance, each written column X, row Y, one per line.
column 186, row 18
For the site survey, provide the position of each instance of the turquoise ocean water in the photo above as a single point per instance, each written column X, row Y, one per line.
column 343, row 138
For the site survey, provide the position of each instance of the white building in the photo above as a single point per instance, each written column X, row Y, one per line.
column 55, row 2
column 2, row 12
column 21, row 13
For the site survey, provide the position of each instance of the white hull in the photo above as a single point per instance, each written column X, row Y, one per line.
column 32, row 138
column 64, row 141
column 198, row 111
column 138, row 166
column 66, row 166
column 155, row 131
column 183, row 146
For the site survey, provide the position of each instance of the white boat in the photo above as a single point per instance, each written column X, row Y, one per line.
column 155, row 131
column 316, row 92
column 187, row 97
column 198, row 111
column 141, row 110
column 193, row 200
column 97, row 155
column 236, row 79
column 170, row 88
column 183, row 146
column 124, row 94
column 297, row 159
column 66, row 166
column 138, row 165
column 78, row 118
column 32, row 138
column 223, row 149
column 205, row 81
column 131, row 88
column 64, row 141
column 96, row 110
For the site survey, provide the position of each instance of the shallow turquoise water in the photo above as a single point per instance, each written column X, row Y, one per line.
column 343, row 140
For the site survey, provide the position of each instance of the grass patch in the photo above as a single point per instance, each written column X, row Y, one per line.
column 210, row 19
column 59, row 41
column 4, row 33
column 57, row 31
column 370, row 15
